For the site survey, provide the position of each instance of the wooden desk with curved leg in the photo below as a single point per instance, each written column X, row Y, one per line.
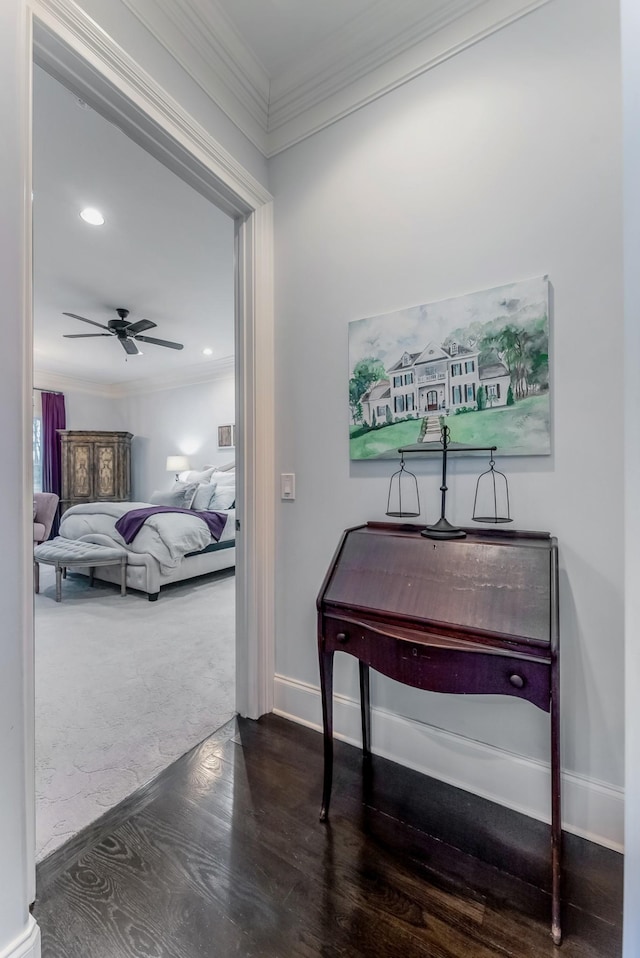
column 473, row 615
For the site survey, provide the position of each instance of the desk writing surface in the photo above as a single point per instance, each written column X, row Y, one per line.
column 474, row 583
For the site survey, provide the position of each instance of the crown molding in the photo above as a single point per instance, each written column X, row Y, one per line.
column 209, row 48
column 190, row 376
column 344, row 76
column 57, row 382
column 373, row 54
column 364, row 44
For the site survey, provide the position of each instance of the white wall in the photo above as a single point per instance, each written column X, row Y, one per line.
column 180, row 421
column 87, row 410
column 501, row 164
column 631, row 80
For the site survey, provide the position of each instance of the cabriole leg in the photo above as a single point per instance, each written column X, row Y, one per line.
column 326, row 688
column 365, row 709
column 556, row 820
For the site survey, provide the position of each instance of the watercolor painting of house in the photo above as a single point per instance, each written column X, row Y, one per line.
column 480, row 361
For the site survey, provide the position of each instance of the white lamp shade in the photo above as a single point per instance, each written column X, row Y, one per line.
column 177, row 463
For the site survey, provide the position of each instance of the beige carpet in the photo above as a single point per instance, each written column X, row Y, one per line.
column 124, row 686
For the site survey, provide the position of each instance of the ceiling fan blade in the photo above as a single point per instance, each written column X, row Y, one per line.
column 129, row 347
column 84, row 335
column 134, row 328
column 85, row 320
column 159, row 342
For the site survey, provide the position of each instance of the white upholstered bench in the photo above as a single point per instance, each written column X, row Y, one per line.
column 66, row 553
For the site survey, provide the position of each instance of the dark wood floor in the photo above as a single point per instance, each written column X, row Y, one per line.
column 223, row 855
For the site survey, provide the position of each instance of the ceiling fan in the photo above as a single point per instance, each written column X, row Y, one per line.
column 127, row 333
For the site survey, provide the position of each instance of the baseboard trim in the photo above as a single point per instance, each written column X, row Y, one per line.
column 26, row 945
column 591, row 809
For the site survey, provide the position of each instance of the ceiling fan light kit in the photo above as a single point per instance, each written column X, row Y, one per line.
column 127, row 333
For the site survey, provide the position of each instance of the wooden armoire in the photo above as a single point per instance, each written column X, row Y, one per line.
column 96, row 466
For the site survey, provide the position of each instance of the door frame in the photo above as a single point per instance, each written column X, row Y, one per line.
column 75, row 50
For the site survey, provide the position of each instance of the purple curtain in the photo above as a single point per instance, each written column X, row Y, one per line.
column 53, row 418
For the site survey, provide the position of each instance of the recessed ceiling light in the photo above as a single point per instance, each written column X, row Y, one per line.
column 92, row 216
column 208, row 351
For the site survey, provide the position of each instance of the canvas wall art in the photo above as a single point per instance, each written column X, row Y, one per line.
column 478, row 362
column 226, row 436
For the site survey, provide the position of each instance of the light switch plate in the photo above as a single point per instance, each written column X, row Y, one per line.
column 288, row 485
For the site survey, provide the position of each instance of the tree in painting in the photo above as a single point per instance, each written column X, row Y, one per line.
column 366, row 372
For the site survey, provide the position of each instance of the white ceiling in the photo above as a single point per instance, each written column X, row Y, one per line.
column 164, row 252
column 280, row 32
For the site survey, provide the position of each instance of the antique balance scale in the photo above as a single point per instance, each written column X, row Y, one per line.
column 491, row 501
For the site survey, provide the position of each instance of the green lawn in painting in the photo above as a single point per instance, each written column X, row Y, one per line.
column 521, row 429
column 516, row 430
column 385, row 442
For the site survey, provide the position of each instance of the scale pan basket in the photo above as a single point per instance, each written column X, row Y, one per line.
column 491, row 503
column 403, row 500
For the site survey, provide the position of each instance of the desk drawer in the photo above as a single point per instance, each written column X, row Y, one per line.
column 440, row 669
column 485, row 673
column 366, row 644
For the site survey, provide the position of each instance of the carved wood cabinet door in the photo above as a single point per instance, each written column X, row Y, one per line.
column 96, row 466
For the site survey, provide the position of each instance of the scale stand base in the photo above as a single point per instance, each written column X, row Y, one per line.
column 443, row 530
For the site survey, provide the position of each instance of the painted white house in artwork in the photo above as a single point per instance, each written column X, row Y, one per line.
column 439, row 380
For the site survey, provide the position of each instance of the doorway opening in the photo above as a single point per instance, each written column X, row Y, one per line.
column 123, row 688
column 77, row 53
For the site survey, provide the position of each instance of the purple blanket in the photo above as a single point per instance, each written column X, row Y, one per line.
column 131, row 522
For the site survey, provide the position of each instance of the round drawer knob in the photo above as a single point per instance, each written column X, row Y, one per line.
column 342, row 637
column 516, row 680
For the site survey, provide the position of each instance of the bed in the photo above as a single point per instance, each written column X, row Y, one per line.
column 173, row 543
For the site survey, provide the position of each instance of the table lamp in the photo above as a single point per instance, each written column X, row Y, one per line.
column 177, row 464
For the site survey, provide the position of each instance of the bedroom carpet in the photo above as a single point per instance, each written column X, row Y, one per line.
column 123, row 688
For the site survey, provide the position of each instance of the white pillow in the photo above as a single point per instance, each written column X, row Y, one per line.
column 225, row 494
column 203, row 496
column 192, row 475
column 227, row 467
column 180, row 496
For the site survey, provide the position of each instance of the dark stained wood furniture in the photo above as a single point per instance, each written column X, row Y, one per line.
column 472, row 615
column 96, row 466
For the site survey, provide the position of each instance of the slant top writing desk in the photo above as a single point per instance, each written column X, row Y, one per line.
column 472, row 615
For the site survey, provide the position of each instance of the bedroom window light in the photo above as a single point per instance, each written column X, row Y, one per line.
column 37, row 440
column 37, row 454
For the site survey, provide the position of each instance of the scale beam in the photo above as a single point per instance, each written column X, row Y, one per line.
column 443, row 529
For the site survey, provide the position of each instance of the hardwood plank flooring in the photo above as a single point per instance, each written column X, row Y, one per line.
column 223, row 855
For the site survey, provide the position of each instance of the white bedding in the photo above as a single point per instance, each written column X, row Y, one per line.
column 167, row 536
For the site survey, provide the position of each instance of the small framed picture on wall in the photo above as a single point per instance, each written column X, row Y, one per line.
column 226, row 436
